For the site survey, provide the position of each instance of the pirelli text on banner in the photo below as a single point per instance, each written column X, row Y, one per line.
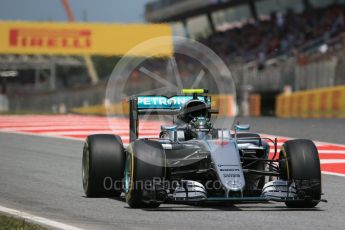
column 80, row 38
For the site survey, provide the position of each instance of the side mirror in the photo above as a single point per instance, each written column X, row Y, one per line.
column 242, row 127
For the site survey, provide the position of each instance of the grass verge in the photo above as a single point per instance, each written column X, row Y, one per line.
column 9, row 223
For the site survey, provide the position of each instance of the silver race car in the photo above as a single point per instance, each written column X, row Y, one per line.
column 192, row 162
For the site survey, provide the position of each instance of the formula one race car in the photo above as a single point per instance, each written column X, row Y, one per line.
column 192, row 162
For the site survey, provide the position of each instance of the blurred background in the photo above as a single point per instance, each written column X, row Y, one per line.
column 286, row 56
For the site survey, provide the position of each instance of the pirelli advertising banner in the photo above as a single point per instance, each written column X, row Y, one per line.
column 80, row 38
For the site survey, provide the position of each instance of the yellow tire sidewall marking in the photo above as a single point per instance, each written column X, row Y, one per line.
column 128, row 195
column 287, row 162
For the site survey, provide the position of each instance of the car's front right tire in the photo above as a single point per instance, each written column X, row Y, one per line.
column 146, row 162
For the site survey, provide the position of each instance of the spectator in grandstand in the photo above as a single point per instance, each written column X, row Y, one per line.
column 279, row 35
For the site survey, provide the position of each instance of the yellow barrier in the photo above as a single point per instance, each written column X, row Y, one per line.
column 318, row 103
column 255, row 105
column 116, row 109
column 224, row 104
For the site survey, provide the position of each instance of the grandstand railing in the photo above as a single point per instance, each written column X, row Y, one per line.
column 319, row 69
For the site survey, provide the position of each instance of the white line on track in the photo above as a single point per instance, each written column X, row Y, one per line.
column 37, row 219
column 332, row 161
column 88, row 132
column 342, row 152
column 332, row 151
column 287, row 138
column 333, row 174
column 42, row 135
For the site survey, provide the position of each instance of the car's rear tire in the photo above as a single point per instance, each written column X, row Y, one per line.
column 302, row 166
column 145, row 162
column 103, row 165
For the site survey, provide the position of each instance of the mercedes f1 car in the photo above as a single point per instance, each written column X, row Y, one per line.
column 192, row 162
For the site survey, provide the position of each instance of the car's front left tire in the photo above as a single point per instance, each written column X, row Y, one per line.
column 103, row 165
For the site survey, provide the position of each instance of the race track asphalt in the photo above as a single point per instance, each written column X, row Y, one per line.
column 328, row 130
column 42, row 176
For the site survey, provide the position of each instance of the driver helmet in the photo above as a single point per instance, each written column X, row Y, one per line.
column 201, row 127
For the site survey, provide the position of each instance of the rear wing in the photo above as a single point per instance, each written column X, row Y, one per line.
column 139, row 105
column 159, row 104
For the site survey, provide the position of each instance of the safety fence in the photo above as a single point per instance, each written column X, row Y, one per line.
column 303, row 71
column 60, row 101
column 319, row 103
column 316, row 74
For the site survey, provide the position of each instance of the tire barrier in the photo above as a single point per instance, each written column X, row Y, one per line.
column 319, row 103
column 255, row 105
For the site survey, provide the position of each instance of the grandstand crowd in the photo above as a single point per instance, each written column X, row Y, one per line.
column 280, row 34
